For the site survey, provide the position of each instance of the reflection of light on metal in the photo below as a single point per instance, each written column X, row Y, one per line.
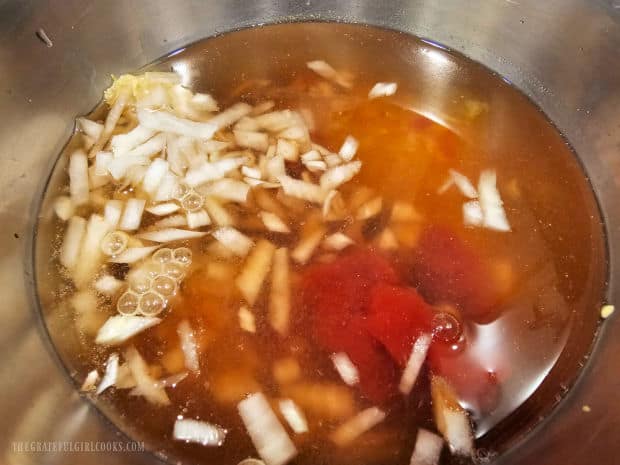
column 434, row 117
column 437, row 57
column 184, row 70
column 176, row 52
column 435, row 44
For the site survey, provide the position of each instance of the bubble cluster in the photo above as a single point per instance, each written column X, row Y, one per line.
column 154, row 282
column 114, row 243
column 190, row 200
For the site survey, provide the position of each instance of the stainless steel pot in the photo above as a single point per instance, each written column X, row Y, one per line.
column 562, row 53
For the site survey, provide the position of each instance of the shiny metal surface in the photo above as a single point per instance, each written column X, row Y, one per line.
column 562, row 53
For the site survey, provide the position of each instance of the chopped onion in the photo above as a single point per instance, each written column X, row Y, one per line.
column 491, row 203
column 197, row 219
column 163, row 209
column 293, row 416
column 246, row 124
column 211, row 171
column 91, row 381
column 326, row 71
column 472, row 213
column 316, row 166
column 297, row 133
column 382, row 89
column 369, row 209
column 268, row 435
column 217, row 212
column 108, row 285
column 246, row 319
column 174, row 221
column 95, row 181
column 132, row 215
column 255, row 270
column 91, row 128
column 120, row 167
column 123, row 143
column 287, row 150
column 199, row 432
column 387, row 240
column 427, row 448
column 149, row 148
column 333, row 206
column 189, row 346
column 307, row 245
column 252, row 140
column 111, row 372
column 227, row 189
column 338, row 175
column 63, row 207
column 154, row 176
column 332, row 159
column 159, row 120
column 91, row 256
column 349, row 148
column 232, row 239
column 167, row 188
column 78, row 178
column 119, row 328
column 462, row 183
column 273, row 222
column 145, row 385
column 230, row 116
column 350, row 430
column 345, row 368
column 170, row 235
column 133, row 254
column 404, row 212
column 72, row 242
column 251, row 172
column 414, row 363
column 110, row 122
column 102, row 163
column 451, row 419
column 312, row 155
column 301, row 189
column 263, row 107
column 276, row 121
column 337, row 241
column 280, row 296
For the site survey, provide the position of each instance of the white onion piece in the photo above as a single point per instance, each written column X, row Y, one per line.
column 200, row 432
column 123, row 143
column 133, row 254
column 63, row 207
column 78, row 178
column 326, row 71
column 102, row 162
column 72, row 241
column 174, row 221
column 110, row 122
column 387, row 240
column 382, row 89
column 174, row 155
column 263, row 107
column 296, row 133
column 90, row 382
column 170, row 235
column 276, row 121
column 154, row 175
column 229, row 116
column 268, row 435
column 90, row 257
column 163, row 209
column 273, row 222
column 111, row 372
column 316, row 166
column 301, row 189
column 369, row 209
column 427, row 448
column 252, row 140
column 414, row 363
column 164, row 121
column 280, row 295
column 251, row 172
column 255, row 270
column 119, row 328
column 89, row 127
column 338, row 175
column 217, row 212
column 167, row 188
column 108, row 285
column 204, row 102
column 307, row 245
column 246, row 123
column 151, row 147
column 132, row 214
column 197, row 219
column 462, row 183
column 95, row 181
column 337, row 241
column 451, row 419
column 235, row 241
column 212, row 146
column 349, row 148
column 350, row 430
column 119, row 167
column 227, row 189
column 145, row 384
column 287, row 150
column 311, row 155
column 404, row 212
column 253, row 182
column 188, row 346
column 472, row 213
column 491, row 203
column 293, row 416
column 246, row 319
column 332, row 159
column 345, row 368
column 211, row 171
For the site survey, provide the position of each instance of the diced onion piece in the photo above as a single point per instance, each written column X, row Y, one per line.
column 63, row 207
column 217, row 212
column 211, row 171
column 188, row 346
column 387, row 240
column 230, row 116
column 293, row 416
column 463, row 184
column 273, row 222
column 349, row 148
column 149, row 148
column 132, row 215
column 78, row 178
column 119, row 328
column 491, row 202
column 326, row 71
column 227, row 189
column 337, row 241
column 201, row 432
column 163, row 209
column 280, row 296
column 315, row 166
column 91, row 381
column 255, row 270
column 110, row 122
column 301, row 189
column 382, row 89
column 232, row 239
column 297, row 133
column 102, row 163
column 246, row 124
column 404, row 212
column 91, row 255
column 607, row 310
column 252, row 140
column 427, row 448
column 287, row 150
column 145, row 384
column 338, row 175
column 311, row 155
column 369, row 209
column 167, row 188
column 198, row 219
column 246, row 319
column 91, row 128
column 111, row 372
column 274, row 166
column 95, row 180
column 123, row 143
column 472, row 213
column 164, row 121
column 414, row 363
column 307, row 245
column 263, row 107
column 332, row 159
column 277, row 121
column 133, row 254
column 350, row 430
column 72, row 242
column 154, row 175
column 174, row 221
column 170, row 235
column 268, row 435
column 451, row 419
column 120, row 167
column 204, row 102
column 108, row 285
column 345, row 368
column 251, row 172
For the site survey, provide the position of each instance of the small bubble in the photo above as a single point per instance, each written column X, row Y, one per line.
column 140, row 282
column 446, row 327
column 183, row 256
column 174, row 270
column 180, row 191
column 192, row 202
column 114, row 243
column 164, row 285
column 151, row 304
column 162, row 256
column 127, row 304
